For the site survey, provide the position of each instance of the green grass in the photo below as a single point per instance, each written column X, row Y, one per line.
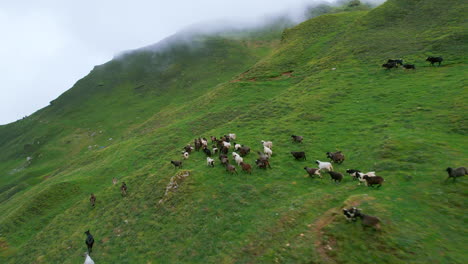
column 398, row 123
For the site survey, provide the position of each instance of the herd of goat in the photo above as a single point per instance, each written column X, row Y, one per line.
column 391, row 63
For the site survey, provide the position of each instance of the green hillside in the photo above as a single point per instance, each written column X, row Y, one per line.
column 321, row 79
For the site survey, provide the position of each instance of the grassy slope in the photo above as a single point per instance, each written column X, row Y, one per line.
column 398, row 123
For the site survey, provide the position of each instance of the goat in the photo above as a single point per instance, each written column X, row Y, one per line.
column 398, row 61
column 336, row 157
column 389, row 66
column 246, row 167
column 89, row 241
column 221, row 156
column 360, row 176
column 92, row 199
column 353, row 173
column 230, row 168
column 226, row 144
column 197, row 143
column 224, row 150
column 186, row 155
column 313, row 171
column 336, row 176
column 262, row 156
column 237, row 146
column 176, row 163
column 114, row 180
column 324, row 165
column 123, row 189
column 267, row 151
column 369, row 221
column 207, row 151
column 224, row 161
column 433, row 60
column 238, row 159
column 88, row 259
column 409, row 66
column 268, row 144
column 371, row 181
column 213, row 139
column 215, row 149
column 243, row 151
column 299, row 155
column 232, row 136
column 455, row 173
column 209, row 162
column 262, row 164
column 188, row 149
column 297, row 138
column 351, row 214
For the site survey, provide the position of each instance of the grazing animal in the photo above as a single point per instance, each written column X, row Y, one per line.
column 224, row 161
column 209, row 162
column 336, row 157
column 215, row 149
column 197, row 143
column 89, row 241
column 222, row 156
column 92, row 199
column 123, row 189
column 398, row 61
column 313, row 171
column 246, row 167
column 360, row 176
column 230, row 168
column 213, row 139
column 409, row 66
column 186, row 155
column 336, row 176
column 297, row 138
column 389, row 66
column 262, row 156
column 262, row 164
column 207, row 151
column 238, row 159
column 88, row 259
column 371, row 181
column 243, row 151
column 298, row 155
column 114, row 180
column 232, row 136
column 455, row 173
column 324, row 165
column 237, row 146
column 267, row 144
column 226, row 144
column 353, row 173
column 224, row 150
column 176, row 163
column 351, row 214
column 188, row 149
column 369, row 221
column 433, row 60
column 267, row 151
column 204, row 142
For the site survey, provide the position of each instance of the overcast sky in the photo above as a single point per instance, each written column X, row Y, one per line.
column 47, row 45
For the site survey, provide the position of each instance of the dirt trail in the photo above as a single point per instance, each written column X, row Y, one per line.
column 328, row 217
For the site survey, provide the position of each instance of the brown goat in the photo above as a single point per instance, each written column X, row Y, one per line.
column 369, row 221
column 313, row 171
column 92, row 200
column 246, row 167
column 230, row 168
column 336, row 157
column 371, row 181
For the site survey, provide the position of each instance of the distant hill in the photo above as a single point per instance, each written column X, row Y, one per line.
column 321, row 79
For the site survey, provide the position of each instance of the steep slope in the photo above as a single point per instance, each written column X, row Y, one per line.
column 406, row 125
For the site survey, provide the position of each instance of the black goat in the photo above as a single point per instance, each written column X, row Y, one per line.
column 351, row 214
column 299, row 155
column 353, row 173
column 297, row 138
column 455, row 173
column 389, row 66
column 398, row 61
column 176, row 163
column 89, row 241
column 369, row 220
column 409, row 66
column 433, row 60
column 336, row 176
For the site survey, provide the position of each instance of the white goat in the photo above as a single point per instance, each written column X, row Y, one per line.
column 88, row 259
column 186, row 155
column 209, row 162
column 239, row 160
column 226, row 144
column 324, row 165
column 237, row 146
column 234, row 154
column 267, row 144
column 267, row 151
column 232, row 136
